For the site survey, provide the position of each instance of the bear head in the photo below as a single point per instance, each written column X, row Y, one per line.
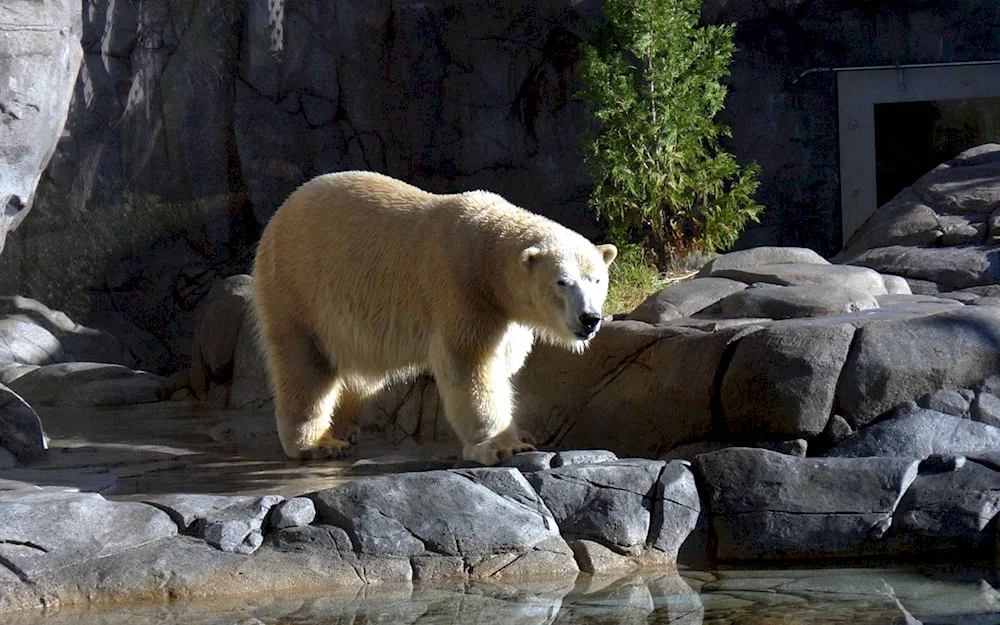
column 568, row 285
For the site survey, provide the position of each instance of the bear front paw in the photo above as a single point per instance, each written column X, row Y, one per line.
column 328, row 448
column 495, row 450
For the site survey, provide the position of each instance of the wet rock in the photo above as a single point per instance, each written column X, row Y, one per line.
column 796, row 301
column 761, row 256
column 20, row 428
column 768, row 505
column 469, row 513
column 894, row 360
column 293, row 513
column 918, row 435
column 684, row 299
column 46, row 530
column 781, row 379
column 89, row 384
column 802, row 274
column 628, row 506
column 949, row 401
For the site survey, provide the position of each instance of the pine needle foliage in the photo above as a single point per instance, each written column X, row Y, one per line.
column 661, row 178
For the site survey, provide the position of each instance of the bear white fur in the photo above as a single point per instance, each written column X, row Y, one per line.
column 361, row 279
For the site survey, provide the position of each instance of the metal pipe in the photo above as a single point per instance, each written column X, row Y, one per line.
column 863, row 68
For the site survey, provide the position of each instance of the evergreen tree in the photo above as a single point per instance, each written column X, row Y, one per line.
column 652, row 79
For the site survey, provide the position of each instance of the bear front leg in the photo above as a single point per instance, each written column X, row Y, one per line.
column 478, row 402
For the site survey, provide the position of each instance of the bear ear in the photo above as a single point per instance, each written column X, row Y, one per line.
column 530, row 257
column 608, row 252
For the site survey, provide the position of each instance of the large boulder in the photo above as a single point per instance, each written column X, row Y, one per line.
column 918, row 435
column 39, row 57
column 20, row 428
column 897, row 359
column 939, row 229
column 765, row 505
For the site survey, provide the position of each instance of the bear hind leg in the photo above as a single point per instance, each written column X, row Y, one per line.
column 307, row 390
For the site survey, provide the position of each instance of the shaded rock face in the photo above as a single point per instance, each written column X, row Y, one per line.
column 39, row 58
column 942, row 229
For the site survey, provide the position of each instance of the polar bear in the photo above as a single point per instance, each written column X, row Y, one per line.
column 361, row 279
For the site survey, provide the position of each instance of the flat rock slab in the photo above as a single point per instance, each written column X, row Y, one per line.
column 89, row 384
column 895, row 360
column 796, row 301
column 684, row 299
column 919, row 435
column 472, row 512
column 800, row 274
column 765, row 505
column 47, row 529
column 766, row 255
column 957, row 267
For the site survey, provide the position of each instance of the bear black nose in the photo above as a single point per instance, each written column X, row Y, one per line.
column 589, row 321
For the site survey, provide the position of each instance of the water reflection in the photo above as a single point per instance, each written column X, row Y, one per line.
column 856, row 596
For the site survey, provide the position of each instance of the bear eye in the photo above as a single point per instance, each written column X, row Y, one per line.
column 562, row 282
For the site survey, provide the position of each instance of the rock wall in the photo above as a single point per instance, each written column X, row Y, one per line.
column 39, row 57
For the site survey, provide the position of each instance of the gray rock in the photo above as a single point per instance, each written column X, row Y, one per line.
column 684, row 299
column 893, row 360
column 293, row 513
column 837, row 429
column 990, row 384
column 89, row 384
column 238, row 528
column 688, row 451
column 947, row 511
column 986, row 409
column 966, row 189
column 7, row 459
column 251, row 385
column 896, row 285
column 11, row 372
column 582, row 456
column 954, row 267
column 960, row 296
column 529, row 461
column 925, row 287
column 654, row 383
column 949, row 401
column 223, row 312
column 76, row 342
column 801, row 274
column 797, row 447
column 24, row 342
column 918, row 435
column 474, row 512
column 903, row 220
column 46, row 530
column 761, row 256
column 796, row 301
column 768, row 505
column 187, row 510
column 781, row 379
column 623, row 505
column 961, row 230
column 20, row 428
column 39, row 57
